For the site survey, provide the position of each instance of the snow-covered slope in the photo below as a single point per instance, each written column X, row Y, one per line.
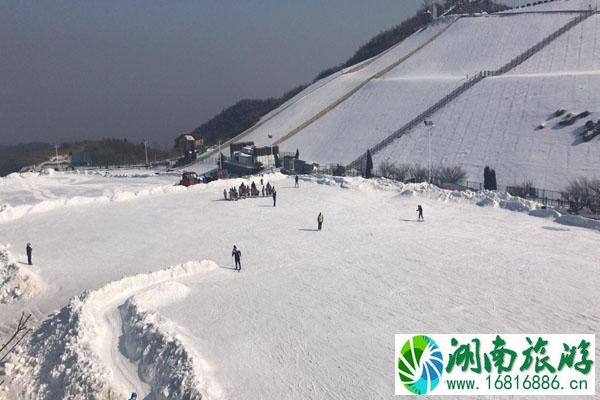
column 559, row 5
column 455, row 50
column 367, row 118
column 322, row 94
column 578, row 50
column 312, row 314
column 480, row 43
column 495, row 124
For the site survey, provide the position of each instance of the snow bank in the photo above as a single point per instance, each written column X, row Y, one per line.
column 9, row 213
column 17, row 282
column 484, row 198
column 577, row 220
column 150, row 342
column 64, row 357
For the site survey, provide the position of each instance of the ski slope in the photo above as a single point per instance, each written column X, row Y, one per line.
column 495, row 122
column 367, row 118
column 485, row 126
column 321, row 94
column 559, row 5
column 481, row 43
column 578, row 50
column 312, row 314
column 470, row 45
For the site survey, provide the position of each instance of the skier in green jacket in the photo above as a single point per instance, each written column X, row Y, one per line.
column 320, row 220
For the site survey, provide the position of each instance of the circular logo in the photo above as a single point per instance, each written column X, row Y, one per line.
column 420, row 364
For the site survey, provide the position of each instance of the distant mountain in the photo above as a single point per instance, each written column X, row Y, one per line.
column 245, row 113
column 103, row 152
column 15, row 157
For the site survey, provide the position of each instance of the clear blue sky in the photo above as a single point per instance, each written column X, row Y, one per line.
column 153, row 69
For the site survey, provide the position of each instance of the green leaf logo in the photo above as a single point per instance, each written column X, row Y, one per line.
column 420, row 364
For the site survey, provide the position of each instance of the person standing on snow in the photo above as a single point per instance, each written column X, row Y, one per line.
column 420, row 213
column 237, row 255
column 274, row 197
column 320, row 220
column 29, row 250
column 296, row 181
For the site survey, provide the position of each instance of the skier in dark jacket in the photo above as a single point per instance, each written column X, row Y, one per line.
column 296, row 181
column 274, row 197
column 237, row 255
column 29, row 250
column 420, row 213
column 320, row 220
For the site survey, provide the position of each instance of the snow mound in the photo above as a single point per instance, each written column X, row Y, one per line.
column 545, row 213
column 64, row 357
column 163, row 360
column 484, row 198
column 9, row 213
column 17, row 282
column 577, row 220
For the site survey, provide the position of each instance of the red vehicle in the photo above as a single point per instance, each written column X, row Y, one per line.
column 189, row 179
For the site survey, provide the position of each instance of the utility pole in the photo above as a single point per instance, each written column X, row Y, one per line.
column 220, row 158
column 146, row 150
column 429, row 124
column 272, row 155
column 56, row 154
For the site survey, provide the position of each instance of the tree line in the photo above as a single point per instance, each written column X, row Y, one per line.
column 102, row 152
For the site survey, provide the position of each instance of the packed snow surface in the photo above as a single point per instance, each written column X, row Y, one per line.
column 311, row 315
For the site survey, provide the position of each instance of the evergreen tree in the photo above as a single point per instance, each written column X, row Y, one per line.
column 487, row 176
column 297, row 156
column 369, row 166
column 494, row 186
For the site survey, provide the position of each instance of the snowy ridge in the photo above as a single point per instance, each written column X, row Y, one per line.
column 164, row 361
column 9, row 213
column 71, row 355
column 17, row 282
column 121, row 193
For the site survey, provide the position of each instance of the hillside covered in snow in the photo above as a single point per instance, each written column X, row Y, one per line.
column 493, row 122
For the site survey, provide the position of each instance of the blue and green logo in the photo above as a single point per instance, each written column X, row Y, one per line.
column 420, row 364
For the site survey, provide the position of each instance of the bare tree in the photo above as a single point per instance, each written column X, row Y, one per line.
column 21, row 330
column 523, row 190
column 583, row 193
column 449, row 174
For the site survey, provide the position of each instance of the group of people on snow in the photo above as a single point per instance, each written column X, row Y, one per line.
column 247, row 191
